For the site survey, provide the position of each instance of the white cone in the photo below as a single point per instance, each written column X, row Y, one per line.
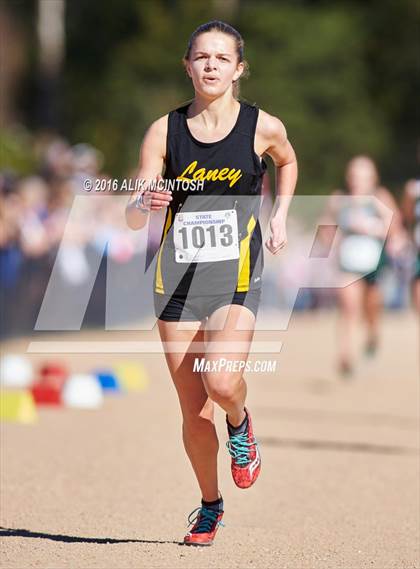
column 16, row 371
column 82, row 391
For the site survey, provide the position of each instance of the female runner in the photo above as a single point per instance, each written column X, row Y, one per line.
column 364, row 230
column 209, row 263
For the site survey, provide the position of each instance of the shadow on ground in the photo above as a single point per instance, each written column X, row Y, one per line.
column 9, row 532
column 336, row 446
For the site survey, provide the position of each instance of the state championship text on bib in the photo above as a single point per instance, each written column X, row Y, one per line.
column 206, row 236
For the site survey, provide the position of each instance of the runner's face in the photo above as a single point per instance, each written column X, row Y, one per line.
column 213, row 64
column 361, row 177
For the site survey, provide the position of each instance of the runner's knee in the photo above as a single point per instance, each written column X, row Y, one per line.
column 221, row 387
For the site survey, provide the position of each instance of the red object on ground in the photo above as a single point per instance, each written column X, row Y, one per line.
column 45, row 394
column 54, row 372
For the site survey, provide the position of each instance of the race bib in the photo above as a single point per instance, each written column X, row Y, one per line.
column 206, row 236
column 360, row 253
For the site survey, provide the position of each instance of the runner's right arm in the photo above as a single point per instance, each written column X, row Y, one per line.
column 151, row 160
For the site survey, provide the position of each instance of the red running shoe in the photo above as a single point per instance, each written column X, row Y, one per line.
column 246, row 458
column 206, row 523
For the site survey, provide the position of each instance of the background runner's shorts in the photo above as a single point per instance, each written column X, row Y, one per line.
column 188, row 308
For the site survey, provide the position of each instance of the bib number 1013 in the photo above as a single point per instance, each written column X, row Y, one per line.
column 199, row 235
column 206, row 236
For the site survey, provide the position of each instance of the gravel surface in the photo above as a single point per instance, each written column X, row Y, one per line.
column 339, row 487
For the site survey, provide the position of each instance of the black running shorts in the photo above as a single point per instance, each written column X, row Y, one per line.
column 196, row 308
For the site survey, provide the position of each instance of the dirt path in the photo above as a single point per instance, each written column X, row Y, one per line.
column 339, row 486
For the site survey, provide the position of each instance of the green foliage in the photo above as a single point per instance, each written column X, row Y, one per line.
column 16, row 151
column 341, row 76
column 307, row 69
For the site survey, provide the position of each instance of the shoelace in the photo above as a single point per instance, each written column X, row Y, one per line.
column 205, row 519
column 238, row 447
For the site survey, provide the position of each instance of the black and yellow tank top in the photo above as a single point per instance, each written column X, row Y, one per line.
column 211, row 241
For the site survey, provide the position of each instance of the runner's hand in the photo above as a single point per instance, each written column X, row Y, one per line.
column 156, row 200
column 278, row 238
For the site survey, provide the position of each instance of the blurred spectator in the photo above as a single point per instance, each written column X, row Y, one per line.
column 50, row 212
column 40, row 216
column 411, row 215
column 57, row 162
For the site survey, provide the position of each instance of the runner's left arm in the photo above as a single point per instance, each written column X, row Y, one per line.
column 278, row 147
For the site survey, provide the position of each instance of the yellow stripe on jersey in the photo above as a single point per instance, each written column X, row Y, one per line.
column 244, row 268
column 159, row 281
